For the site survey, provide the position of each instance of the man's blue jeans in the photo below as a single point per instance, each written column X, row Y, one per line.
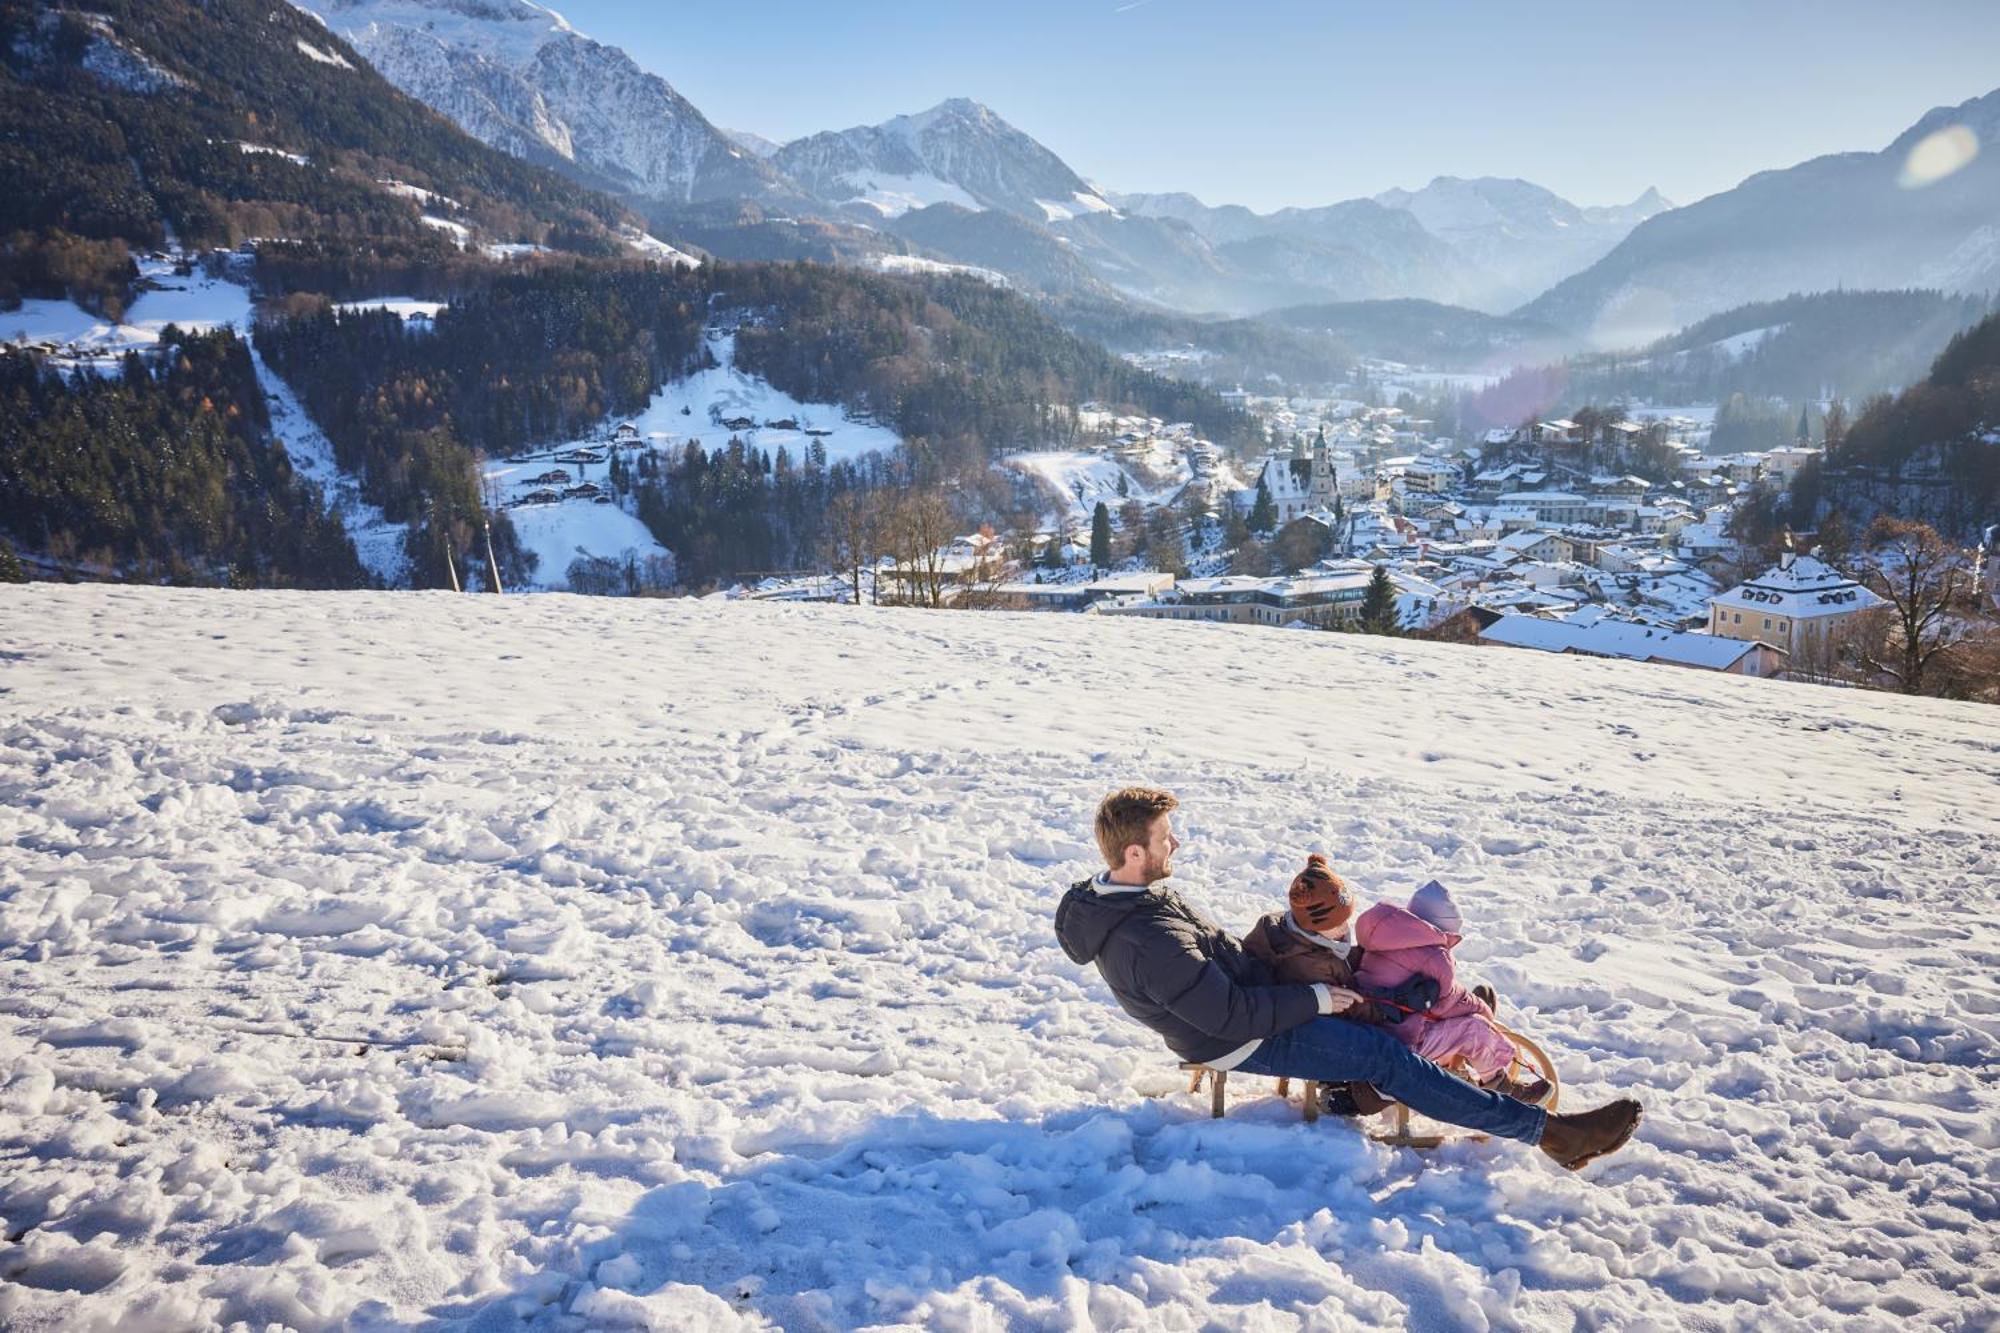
column 1333, row 1050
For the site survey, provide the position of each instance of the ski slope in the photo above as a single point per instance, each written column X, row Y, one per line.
column 382, row 960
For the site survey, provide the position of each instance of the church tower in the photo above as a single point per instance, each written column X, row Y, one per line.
column 1324, row 486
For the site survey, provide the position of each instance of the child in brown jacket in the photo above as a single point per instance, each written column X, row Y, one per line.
column 1311, row 942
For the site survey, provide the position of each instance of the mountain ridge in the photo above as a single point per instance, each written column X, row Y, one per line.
column 1841, row 220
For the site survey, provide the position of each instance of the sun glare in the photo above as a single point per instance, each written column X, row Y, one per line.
column 1937, row 156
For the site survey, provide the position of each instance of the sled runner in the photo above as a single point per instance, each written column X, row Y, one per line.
column 1529, row 1057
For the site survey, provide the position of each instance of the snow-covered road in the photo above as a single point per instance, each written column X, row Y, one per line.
column 386, row 960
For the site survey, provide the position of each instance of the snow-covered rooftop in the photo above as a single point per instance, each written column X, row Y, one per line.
column 1616, row 638
column 1800, row 586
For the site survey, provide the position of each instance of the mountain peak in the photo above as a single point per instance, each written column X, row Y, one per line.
column 518, row 76
column 962, row 107
column 957, row 152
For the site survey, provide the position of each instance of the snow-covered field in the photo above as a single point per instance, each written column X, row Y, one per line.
column 695, row 408
column 412, row 309
column 559, row 534
column 908, row 264
column 196, row 303
column 384, row 960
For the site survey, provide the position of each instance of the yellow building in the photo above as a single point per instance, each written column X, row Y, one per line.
column 1799, row 606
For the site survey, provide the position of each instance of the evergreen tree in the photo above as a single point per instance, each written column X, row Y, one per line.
column 1378, row 607
column 1100, row 536
column 10, row 565
column 1263, row 514
column 1235, row 531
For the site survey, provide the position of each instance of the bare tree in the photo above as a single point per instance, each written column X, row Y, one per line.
column 853, row 536
column 1839, row 654
column 916, row 536
column 1925, row 580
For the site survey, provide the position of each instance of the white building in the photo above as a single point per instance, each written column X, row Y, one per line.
column 1554, row 507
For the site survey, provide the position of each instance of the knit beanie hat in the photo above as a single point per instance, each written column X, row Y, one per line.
column 1434, row 904
column 1320, row 899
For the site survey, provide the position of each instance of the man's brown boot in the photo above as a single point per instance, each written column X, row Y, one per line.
column 1588, row 1135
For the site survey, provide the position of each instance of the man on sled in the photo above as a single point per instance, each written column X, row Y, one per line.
column 1216, row 1005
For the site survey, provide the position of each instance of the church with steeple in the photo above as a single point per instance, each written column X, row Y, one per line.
column 1300, row 484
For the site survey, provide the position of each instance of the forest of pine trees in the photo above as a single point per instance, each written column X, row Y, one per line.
column 1930, row 453
column 162, row 473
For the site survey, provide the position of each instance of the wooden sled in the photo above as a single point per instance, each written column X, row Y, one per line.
column 1528, row 1057
column 1218, row 1082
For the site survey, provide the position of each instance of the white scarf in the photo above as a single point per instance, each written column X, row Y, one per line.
column 1339, row 947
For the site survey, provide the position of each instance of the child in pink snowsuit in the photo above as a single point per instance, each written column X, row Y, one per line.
column 1399, row 944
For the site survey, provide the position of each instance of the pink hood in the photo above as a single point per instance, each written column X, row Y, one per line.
column 1386, row 926
column 1397, row 944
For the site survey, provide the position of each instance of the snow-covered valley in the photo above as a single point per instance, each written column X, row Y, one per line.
column 384, row 960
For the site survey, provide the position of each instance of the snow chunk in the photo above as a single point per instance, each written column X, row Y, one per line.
column 314, row 53
column 460, row 233
column 894, row 195
column 298, row 159
column 652, row 247
column 918, row 264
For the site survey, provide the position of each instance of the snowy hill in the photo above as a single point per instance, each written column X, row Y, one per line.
column 708, row 408
column 516, row 75
column 374, row 960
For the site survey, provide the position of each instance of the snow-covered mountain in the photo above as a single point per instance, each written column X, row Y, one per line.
column 1524, row 238
column 958, row 152
column 1922, row 212
column 519, row 77
column 383, row 960
column 1485, row 243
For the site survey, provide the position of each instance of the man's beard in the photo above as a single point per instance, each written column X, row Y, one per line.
column 1155, row 871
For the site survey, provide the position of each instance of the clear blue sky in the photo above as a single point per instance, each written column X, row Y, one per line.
column 1265, row 103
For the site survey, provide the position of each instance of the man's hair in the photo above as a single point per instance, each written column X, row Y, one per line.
column 1124, row 817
